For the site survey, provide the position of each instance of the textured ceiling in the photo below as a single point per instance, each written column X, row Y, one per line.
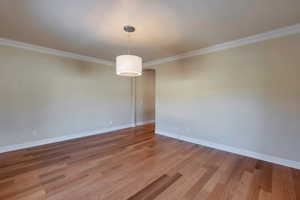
column 163, row 27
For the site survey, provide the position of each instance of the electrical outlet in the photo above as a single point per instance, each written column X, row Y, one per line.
column 111, row 122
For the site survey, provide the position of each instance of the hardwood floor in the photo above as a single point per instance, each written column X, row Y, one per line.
column 136, row 164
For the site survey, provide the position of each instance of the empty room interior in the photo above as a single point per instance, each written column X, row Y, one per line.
column 149, row 100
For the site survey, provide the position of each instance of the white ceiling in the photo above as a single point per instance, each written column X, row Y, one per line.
column 163, row 27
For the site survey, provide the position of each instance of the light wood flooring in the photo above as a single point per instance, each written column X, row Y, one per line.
column 136, row 164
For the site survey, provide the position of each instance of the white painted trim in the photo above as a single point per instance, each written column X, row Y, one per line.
column 62, row 138
column 244, row 152
column 37, row 48
column 145, row 122
column 294, row 29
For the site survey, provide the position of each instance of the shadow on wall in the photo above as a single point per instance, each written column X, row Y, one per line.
column 246, row 97
column 45, row 96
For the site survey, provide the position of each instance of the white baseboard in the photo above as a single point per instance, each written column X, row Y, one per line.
column 145, row 122
column 62, row 138
column 259, row 156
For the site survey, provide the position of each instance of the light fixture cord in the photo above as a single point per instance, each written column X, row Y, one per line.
column 128, row 43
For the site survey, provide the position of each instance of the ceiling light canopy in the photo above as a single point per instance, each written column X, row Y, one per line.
column 129, row 65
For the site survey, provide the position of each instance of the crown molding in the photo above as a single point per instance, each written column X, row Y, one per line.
column 289, row 30
column 281, row 32
column 37, row 48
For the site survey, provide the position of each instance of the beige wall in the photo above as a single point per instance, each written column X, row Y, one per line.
column 145, row 96
column 45, row 96
column 246, row 97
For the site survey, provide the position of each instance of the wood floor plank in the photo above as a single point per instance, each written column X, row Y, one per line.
column 155, row 188
column 177, row 190
column 296, row 177
column 217, row 192
column 135, row 163
column 265, row 195
column 283, row 185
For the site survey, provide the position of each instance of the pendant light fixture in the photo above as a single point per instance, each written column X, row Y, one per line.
column 129, row 65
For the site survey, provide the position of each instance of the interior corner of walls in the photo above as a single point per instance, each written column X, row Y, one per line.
column 235, row 150
column 145, row 122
